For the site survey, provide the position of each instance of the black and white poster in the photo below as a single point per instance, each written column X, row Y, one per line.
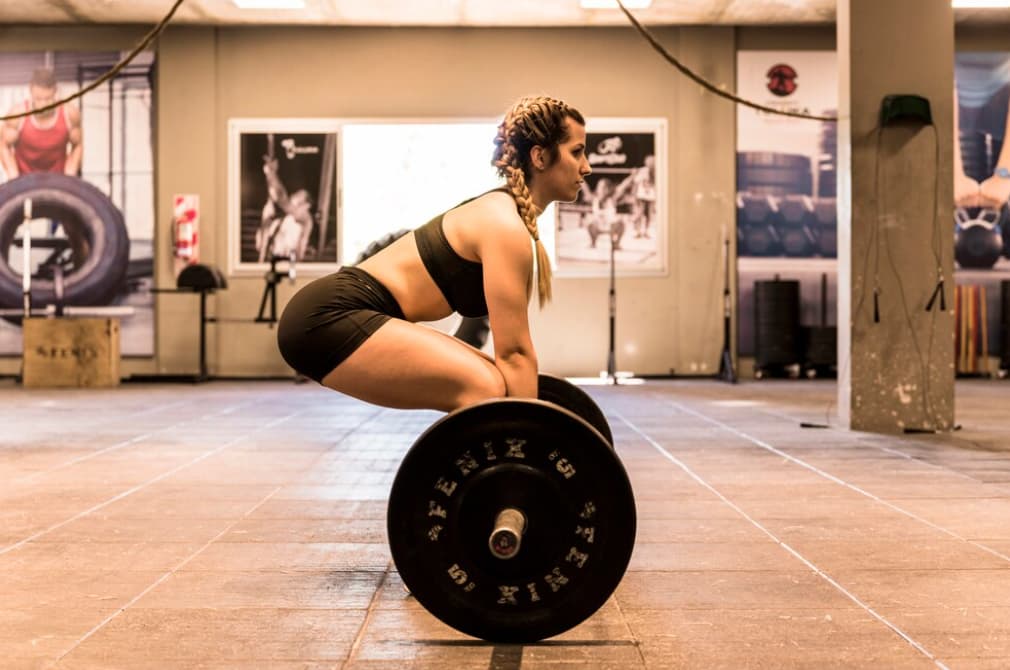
column 282, row 204
column 622, row 207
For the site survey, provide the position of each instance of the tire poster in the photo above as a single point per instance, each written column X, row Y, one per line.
column 786, row 225
column 87, row 168
column 786, row 220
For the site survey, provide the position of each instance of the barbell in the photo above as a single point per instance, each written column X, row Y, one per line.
column 513, row 520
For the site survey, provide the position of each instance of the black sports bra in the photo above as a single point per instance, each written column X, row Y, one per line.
column 461, row 281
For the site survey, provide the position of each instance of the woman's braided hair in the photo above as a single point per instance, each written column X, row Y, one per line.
column 532, row 121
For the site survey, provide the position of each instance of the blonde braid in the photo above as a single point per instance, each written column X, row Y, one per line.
column 531, row 121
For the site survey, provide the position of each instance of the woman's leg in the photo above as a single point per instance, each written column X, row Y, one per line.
column 409, row 366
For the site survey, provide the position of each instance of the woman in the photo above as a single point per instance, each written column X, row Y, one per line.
column 355, row 331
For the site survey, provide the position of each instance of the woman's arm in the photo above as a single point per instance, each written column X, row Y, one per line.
column 506, row 252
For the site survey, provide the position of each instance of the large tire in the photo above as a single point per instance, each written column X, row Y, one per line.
column 96, row 234
column 472, row 330
column 770, row 173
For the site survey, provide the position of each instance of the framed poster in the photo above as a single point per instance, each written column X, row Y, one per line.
column 282, row 186
column 88, row 168
column 786, row 209
column 622, row 206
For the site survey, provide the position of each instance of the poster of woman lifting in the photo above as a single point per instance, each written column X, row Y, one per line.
column 282, row 204
column 622, row 205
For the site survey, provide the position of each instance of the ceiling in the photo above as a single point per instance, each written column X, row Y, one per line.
column 441, row 13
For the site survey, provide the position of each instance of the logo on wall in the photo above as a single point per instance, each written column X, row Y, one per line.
column 291, row 149
column 782, row 80
column 608, row 152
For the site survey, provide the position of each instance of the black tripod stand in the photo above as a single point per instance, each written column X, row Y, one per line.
column 273, row 278
column 726, row 372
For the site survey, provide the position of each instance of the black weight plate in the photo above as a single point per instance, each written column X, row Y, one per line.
column 562, row 392
column 532, row 456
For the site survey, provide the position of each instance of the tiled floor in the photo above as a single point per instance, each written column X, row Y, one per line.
column 241, row 526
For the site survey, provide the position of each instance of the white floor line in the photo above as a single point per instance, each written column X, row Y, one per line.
column 830, row 477
column 115, row 447
column 820, row 573
column 138, row 487
column 165, row 576
column 896, row 452
column 220, row 535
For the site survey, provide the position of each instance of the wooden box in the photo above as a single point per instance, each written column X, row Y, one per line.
column 70, row 352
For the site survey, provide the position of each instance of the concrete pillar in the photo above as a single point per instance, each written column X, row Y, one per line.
column 895, row 203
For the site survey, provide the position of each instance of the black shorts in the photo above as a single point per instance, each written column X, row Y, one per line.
column 331, row 317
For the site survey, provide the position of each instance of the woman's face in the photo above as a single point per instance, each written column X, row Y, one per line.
column 562, row 179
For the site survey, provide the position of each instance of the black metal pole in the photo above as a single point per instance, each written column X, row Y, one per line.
column 726, row 371
column 611, row 355
column 203, row 336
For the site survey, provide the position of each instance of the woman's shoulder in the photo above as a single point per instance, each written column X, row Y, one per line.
column 497, row 205
column 492, row 216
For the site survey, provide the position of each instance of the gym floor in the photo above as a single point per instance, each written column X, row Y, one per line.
column 241, row 525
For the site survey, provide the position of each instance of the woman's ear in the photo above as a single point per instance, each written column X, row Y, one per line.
column 538, row 157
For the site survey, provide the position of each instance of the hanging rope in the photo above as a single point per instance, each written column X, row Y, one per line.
column 116, row 69
column 708, row 86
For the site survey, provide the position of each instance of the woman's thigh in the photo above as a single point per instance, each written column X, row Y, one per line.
column 409, row 366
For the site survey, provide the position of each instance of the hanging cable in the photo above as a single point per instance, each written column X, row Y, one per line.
column 707, row 85
column 116, row 69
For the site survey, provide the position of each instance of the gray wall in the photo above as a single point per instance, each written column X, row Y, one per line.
column 665, row 325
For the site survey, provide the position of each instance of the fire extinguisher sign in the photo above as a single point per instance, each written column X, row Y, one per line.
column 186, row 225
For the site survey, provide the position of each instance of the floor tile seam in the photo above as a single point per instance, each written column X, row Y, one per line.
column 179, row 567
column 820, row 573
column 938, row 466
column 889, row 450
column 132, row 415
column 122, row 444
column 627, row 626
column 138, row 487
column 243, row 608
column 243, row 517
column 161, row 579
column 373, row 606
column 837, row 480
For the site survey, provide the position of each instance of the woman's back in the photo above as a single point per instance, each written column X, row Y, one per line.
column 468, row 229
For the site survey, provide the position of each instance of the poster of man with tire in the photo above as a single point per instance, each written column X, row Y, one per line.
column 87, row 167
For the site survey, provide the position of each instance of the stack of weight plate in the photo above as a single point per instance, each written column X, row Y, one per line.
column 757, row 216
column 797, row 224
column 827, row 179
column 777, row 345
